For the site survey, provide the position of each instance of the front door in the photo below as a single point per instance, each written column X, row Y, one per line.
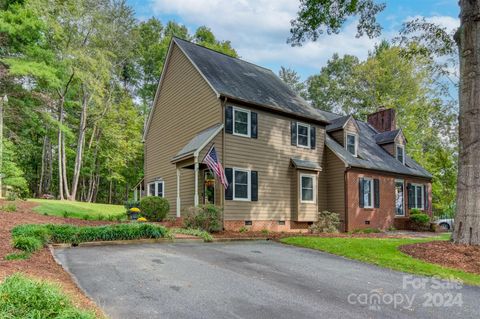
column 399, row 198
column 209, row 187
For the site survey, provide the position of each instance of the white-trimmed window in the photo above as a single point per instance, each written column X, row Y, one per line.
column 351, row 142
column 367, row 192
column 400, row 153
column 241, row 184
column 241, row 122
column 156, row 188
column 418, row 196
column 303, row 135
column 307, row 188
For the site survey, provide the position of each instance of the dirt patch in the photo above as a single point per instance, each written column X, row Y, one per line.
column 448, row 254
column 41, row 264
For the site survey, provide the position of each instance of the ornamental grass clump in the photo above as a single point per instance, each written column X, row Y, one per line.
column 21, row 297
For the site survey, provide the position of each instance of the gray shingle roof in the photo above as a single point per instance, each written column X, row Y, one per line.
column 337, row 123
column 198, row 141
column 372, row 156
column 244, row 81
column 306, row 164
column 386, row 137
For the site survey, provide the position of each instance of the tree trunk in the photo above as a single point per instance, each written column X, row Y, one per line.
column 60, row 169
column 42, row 169
column 467, row 219
column 64, row 168
column 46, row 168
column 80, row 143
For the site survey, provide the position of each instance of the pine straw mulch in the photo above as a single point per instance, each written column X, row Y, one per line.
column 447, row 254
column 41, row 264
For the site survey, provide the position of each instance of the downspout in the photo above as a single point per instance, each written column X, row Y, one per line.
column 345, row 187
column 223, row 160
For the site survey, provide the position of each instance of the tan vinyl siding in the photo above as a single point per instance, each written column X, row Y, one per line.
column 185, row 106
column 270, row 155
column 335, row 180
column 339, row 137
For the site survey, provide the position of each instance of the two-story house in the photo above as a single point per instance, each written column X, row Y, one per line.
column 284, row 160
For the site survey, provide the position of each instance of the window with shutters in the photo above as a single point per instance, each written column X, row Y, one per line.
column 303, row 135
column 400, row 153
column 241, row 184
column 351, row 143
column 156, row 188
column 367, row 192
column 241, row 122
column 307, row 188
column 417, row 196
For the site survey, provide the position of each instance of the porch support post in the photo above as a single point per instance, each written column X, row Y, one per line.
column 195, row 198
column 178, row 192
column 135, row 198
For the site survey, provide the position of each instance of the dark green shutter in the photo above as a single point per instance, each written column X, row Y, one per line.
column 360, row 193
column 254, row 186
column 313, row 137
column 229, row 120
column 293, row 130
column 253, row 125
column 229, row 190
column 376, row 193
column 411, row 196
column 425, row 196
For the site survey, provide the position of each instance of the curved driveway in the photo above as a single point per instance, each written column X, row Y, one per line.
column 254, row 280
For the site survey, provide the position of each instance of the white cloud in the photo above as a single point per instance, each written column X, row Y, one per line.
column 258, row 30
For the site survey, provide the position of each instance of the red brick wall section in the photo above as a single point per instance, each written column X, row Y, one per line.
column 384, row 216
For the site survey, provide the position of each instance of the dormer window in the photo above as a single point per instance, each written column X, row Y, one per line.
column 351, row 142
column 400, row 153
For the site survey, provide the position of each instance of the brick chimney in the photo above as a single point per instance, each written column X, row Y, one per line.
column 383, row 120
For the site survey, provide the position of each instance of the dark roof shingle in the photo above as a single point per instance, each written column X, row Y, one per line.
column 244, row 81
column 386, row 137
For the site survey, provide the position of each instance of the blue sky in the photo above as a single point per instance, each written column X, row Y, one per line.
column 258, row 29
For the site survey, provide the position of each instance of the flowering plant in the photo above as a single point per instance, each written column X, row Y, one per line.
column 134, row 210
column 142, row 219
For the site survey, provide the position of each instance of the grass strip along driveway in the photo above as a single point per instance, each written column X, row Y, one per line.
column 73, row 209
column 383, row 252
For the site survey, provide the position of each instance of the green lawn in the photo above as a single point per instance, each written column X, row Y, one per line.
column 382, row 252
column 82, row 210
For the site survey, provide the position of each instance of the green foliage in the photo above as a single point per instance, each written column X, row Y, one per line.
column 206, row 217
column 414, row 211
column 18, row 256
column 9, row 208
column 154, row 208
column 21, row 297
column 27, row 243
column 420, row 219
column 73, row 209
column 292, row 79
column 383, row 252
column 131, row 203
column 243, row 229
column 315, row 18
column 327, row 222
column 367, row 231
column 32, row 237
column 194, row 232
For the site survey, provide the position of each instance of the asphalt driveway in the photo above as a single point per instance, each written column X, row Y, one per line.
column 254, row 280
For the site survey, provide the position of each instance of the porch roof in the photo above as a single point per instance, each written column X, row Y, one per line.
column 306, row 164
column 198, row 142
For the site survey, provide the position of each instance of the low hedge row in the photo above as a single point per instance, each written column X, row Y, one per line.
column 30, row 238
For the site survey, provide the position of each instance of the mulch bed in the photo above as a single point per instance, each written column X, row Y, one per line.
column 448, row 254
column 41, row 264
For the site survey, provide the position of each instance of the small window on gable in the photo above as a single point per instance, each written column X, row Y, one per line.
column 351, row 143
column 400, row 153
column 303, row 135
column 241, row 122
column 156, row 188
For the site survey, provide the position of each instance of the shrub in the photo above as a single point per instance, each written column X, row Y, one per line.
column 154, row 208
column 206, row 217
column 327, row 222
column 21, row 297
column 27, row 243
column 38, row 231
column 129, row 204
column 9, row 208
column 194, row 232
column 11, row 196
column 415, row 211
column 420, row 221
column 243, row 229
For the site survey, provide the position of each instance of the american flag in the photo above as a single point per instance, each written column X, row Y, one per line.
column 213, row 163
